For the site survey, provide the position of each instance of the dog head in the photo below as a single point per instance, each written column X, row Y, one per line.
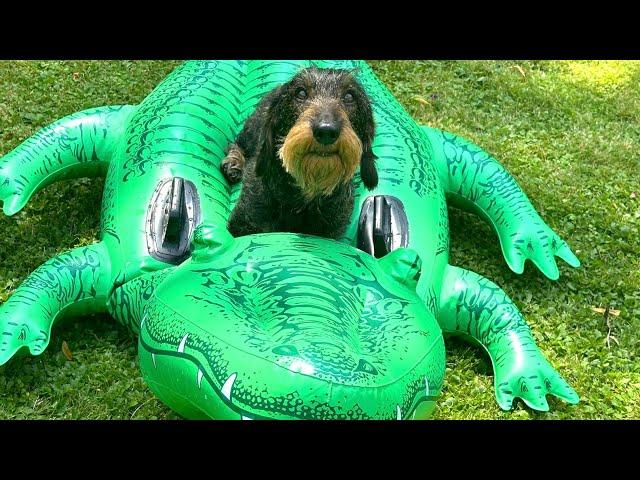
column 319, row 127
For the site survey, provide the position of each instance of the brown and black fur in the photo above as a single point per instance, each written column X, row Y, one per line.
column 297, row 154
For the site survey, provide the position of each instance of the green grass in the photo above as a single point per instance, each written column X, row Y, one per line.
column 569, row 132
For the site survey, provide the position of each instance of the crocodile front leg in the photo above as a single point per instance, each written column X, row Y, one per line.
column 77, row 281
column 477, row 182
column 78, row 145
column 478, row 309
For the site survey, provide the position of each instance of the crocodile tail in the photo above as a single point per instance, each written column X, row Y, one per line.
column 79, row 145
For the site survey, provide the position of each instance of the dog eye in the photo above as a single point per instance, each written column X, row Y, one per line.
column 301, row 94
column 348, row 97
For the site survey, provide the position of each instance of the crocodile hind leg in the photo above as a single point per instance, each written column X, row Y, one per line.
column 478, row 309
column 75, row 282
column 477, row 182
column 79, row 145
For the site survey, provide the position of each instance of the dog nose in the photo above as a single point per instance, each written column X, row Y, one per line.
column 326, row 133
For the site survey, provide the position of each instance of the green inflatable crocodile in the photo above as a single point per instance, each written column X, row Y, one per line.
column 278, row 325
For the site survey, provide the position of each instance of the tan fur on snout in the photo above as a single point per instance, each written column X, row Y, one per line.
column 318, row 169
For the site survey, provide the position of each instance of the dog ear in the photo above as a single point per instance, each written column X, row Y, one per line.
column 368, row 171
column 266, row 154
column 365, row 126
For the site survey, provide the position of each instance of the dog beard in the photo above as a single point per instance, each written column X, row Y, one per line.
column 319, row 169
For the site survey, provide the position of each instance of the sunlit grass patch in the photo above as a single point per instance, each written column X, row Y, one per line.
column 601, row 75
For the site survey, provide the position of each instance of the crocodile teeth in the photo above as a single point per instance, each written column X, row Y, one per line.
column 426, row 385
column 399, row 416
column 199, row 377
column 246, row 418
column 153, row 357
column 228, row 385
column 182, row 342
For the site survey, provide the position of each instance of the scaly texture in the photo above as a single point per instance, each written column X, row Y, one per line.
column 79, row 145
column 77, row 280
column 329, row 334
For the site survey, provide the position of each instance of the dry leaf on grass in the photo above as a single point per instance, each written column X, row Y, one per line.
column 67, row 351
column 520, row 69
column 615, row 313
column 421, row 100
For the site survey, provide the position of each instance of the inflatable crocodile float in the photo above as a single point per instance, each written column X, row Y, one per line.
column 279, row 325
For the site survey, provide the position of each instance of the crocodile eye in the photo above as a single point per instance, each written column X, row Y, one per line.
column 301, row 94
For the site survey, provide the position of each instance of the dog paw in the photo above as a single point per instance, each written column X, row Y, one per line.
column 232, row 172
column 232, row 166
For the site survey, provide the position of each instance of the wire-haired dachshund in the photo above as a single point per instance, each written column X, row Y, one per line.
column 298, row 153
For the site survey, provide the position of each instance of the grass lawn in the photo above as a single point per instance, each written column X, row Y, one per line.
column 569, row 132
